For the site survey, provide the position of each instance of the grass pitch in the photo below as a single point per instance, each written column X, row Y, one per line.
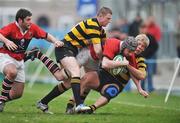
column 128, row 107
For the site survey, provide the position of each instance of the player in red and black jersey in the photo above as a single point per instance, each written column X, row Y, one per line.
column 16, row 37
column 109, row 85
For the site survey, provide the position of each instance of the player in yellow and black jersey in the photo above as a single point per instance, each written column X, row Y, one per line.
column 86, row 32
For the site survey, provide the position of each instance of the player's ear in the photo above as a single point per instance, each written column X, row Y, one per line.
column 20, row 20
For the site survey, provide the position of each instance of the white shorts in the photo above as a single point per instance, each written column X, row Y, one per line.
column 85, row 59
column 5, row 59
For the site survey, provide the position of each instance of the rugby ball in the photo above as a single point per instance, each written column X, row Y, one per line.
column 117, row 70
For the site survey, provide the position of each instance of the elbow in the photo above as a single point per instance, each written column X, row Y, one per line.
column 99, row 53
column 142, row 76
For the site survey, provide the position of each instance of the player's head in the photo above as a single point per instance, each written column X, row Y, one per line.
column 128, row 46
column 143, row 43
column 23, row 18
column 104, row 16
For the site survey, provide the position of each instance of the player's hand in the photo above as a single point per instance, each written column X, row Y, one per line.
column 143, row 93
column 11, row 45
column 58, row 44
column 125, row 61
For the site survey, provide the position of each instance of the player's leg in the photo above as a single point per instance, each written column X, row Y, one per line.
column 84, row 59
column 108, row 92
column 71, row 64
column 16, row 90
column 49, row 63
column 9, row 70
column 55, row 92
column 89, row 81
column 66, row 56
column 13, row 71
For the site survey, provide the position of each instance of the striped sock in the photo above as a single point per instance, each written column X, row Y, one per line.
column 55, row 92
column 50, row 64
column 70, row 103
column 93, row 107
column 6, row 87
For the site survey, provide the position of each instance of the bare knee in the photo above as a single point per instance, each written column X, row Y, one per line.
column 58, row 76
column 66, row 84
column 62, row 75
column 10, row 72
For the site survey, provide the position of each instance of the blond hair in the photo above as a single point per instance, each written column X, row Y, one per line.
column 143, row 38
column 104, row 11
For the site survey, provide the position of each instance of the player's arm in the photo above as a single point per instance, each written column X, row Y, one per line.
column 96, row 40
column 9, row 44
column 138, row 74
column 98, row 50
column 138, row 85
column 107, row 63
column 52, row 39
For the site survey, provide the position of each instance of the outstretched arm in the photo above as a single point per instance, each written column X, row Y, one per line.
column 56, row 42
column 98, row 50
column 139, row 88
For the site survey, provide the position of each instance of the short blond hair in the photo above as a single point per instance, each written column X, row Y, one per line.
column 143, row 38
column 104, row 11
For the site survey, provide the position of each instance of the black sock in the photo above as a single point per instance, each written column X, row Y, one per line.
column 75, row 84
column 6, row 87
column 55, row 92
column 83, row 97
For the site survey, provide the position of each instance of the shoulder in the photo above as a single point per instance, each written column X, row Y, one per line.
column 35, row 27
column 92, row 22
column 12, row 25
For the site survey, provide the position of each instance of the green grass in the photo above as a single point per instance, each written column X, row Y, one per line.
column 126, row 108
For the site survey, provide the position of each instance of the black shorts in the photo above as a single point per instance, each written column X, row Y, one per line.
column 106, row 78
column 67, row 50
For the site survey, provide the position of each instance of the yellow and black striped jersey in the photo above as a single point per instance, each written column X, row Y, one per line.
column 86, row 32
column 141, row 65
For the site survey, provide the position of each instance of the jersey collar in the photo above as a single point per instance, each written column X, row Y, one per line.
column 21, row 30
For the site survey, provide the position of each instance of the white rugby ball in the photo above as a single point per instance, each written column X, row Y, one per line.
column 117, row 70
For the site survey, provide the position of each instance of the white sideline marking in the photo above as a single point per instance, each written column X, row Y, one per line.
column 141, row 105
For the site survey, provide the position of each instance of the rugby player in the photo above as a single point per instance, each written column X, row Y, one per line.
column 16, row 37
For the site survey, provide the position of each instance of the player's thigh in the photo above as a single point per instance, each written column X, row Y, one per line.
column 70, row 63
column 90, row 81
column 7, row 65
